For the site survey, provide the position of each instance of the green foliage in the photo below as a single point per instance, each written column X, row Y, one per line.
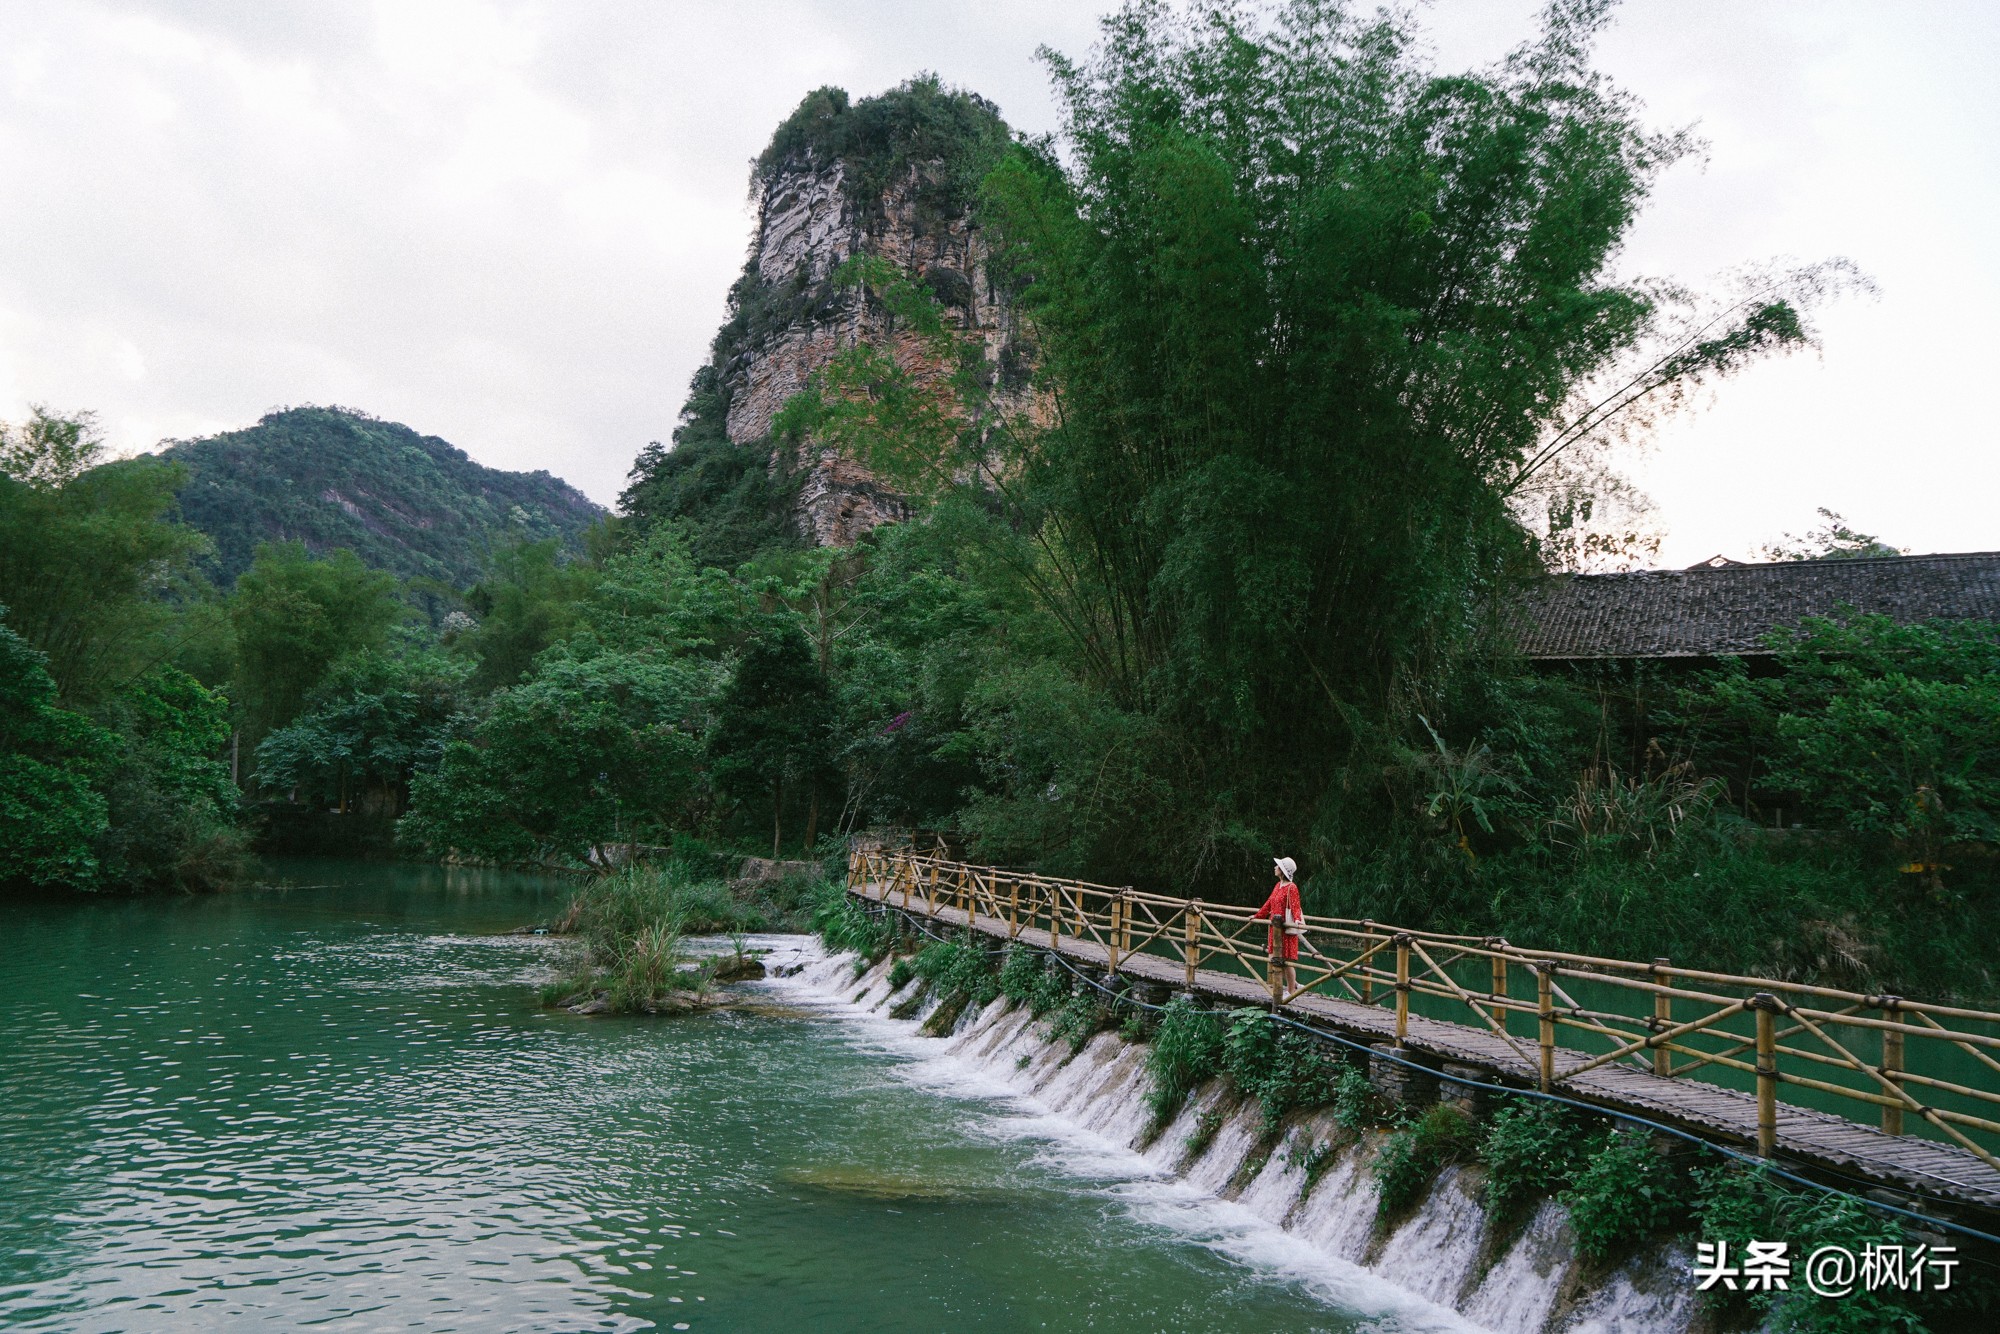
column 1859, row 720
column 843, row 924
column 952, row 137
column 1396, row 317
column 957, row 970
column 587, row 752
column 134, row 799
column 1075, row 1020
column 1205, row 1127
column 629, row 928
column 1530, row 1149
column 1075, row 783
column 372, row 724
column 173, row 808
column 294, row 615
column 1410, row 1159
column 1313, row 1162
column 531, row 596
column 1185, row 1053
column 771, row 725
column 1021, row 973
column 1738, row 1204
column 49, row 451
column 92, row 573
column 1624, row 1191
column 723, row 492
column 334, row 478
column 1355, row 1104
column 1893, row 731
column 52, row 765
column 1027, row 979
column 1280, row 1067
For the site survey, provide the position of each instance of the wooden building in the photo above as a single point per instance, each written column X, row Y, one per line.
column 1723, row 608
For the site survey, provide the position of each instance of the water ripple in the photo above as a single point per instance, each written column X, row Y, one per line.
column 341, row 1109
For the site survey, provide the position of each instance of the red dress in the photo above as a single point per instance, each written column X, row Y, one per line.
column 1283, row 904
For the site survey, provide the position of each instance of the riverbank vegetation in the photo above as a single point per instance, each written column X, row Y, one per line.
column 1325, row 356
column 626, row 936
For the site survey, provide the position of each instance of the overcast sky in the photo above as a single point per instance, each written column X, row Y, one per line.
column 513, row 224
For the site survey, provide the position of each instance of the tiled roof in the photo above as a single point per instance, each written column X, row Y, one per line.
column 1728, row 609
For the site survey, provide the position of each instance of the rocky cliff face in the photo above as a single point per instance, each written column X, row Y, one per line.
column 891, row 177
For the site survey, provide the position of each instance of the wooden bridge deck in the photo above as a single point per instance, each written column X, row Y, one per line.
column 1923, row 1167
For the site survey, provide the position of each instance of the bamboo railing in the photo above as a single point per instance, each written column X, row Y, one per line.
column 1696, row 1025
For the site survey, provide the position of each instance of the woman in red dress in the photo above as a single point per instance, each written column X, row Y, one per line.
column 1288, row 921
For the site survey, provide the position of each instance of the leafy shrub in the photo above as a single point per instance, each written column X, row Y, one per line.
column 957, row 970
column 1077, row 1019
column 1739, row 1204
column 1412, row 1157
column 1623, row 1191
column 1354, row 1100
column 1021, row 969
column 1530, row 1148
column 1280, row 1067
column 1135, row 1025
column 1186, row 1052
column 707, row 906
column 900, row 973
column 1026, row 979
column 1892, row 730
column 844, row 925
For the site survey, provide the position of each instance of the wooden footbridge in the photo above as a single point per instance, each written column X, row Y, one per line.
column 1782, row 1068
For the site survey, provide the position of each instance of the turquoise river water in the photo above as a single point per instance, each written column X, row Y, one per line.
column 336, row 1104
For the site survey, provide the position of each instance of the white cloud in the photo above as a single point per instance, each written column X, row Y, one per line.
column 513, row 223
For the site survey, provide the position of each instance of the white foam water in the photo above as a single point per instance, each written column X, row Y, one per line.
column 1088, row 1116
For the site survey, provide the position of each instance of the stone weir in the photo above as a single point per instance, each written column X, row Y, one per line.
column 1445, row 1250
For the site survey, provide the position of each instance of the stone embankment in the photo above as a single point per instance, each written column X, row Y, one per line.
column 1446, row 1250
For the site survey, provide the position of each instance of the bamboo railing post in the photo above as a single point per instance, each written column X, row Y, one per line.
column 1402, row 988
column 1499, row 980
column 1545, row 1011
column 1663, row 1019
column 1766, row 1005
column 930, row 882
column 1892, row 1065
column 1191, row 938
column 1367, row 969
column 1112, row 937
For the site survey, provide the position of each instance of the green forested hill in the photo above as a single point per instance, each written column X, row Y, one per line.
column 333, row 477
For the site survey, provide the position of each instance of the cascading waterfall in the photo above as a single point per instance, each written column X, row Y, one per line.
column 1439, row 1253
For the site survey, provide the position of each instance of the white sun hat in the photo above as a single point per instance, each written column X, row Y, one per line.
column 1286, row 866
